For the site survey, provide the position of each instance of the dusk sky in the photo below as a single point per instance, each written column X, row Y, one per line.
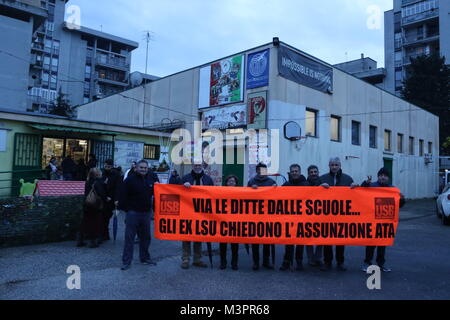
column 188, row 33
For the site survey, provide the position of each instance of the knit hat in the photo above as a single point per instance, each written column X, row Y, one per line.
column 385, row 172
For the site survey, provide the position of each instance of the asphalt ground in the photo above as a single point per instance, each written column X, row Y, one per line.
column 420, row 263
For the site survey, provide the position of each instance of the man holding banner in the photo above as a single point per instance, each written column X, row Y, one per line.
column 197, row 177
column 296, row 179
column 261, row 180
column 383, row 182
column 335, row 178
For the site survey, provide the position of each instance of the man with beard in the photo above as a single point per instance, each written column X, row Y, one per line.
column 296, row 179
column 335, row 178
column 261, row 180
column 112, row 180
column 197, row 177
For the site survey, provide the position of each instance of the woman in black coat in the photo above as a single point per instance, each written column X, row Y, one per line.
column 230, row 181
column 92, row 222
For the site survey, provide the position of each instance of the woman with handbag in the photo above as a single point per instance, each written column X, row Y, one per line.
column 95, row 197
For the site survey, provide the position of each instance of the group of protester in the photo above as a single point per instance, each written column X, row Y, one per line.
column 68, row 170
column 133, row 194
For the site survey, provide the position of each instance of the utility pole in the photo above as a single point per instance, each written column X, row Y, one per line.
column 147, row 38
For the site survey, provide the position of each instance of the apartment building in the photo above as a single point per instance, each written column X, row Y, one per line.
column 52, row 56
column 414, row 28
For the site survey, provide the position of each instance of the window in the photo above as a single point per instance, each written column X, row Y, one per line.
column 387, row 140
column 430, row 147
column 151, row 152
column 335, row 129
column 356, row 133
column 411, row 146
column 421, row 150
column 400, row 143
column 311, row 123
column 373, row 137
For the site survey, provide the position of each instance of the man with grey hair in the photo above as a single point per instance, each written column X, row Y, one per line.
column 335, row 178
column 197, row 177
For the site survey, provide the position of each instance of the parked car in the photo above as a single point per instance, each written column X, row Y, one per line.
column 443, row 206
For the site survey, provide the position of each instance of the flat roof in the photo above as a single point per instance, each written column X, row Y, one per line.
column 99, row 34
column 264, row 46
column 40, row 118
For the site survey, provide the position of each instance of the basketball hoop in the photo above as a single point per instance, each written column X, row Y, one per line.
column 300, row 142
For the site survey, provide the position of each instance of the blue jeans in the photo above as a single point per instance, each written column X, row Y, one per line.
column 136, row 223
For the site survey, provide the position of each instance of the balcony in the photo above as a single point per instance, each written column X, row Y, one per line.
column 410, row 41
column 407, row 59
column 113, row 62
column 37, row 46
column 112, row 81
column 35, row 63
column 433, row 13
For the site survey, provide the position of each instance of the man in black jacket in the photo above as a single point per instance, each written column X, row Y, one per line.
column 296, row 179
column 112, row 180
column 314, row 252
column 136, row 201
column 197, row 177
column 335, row 179
column 382, row 182
column 261, row 180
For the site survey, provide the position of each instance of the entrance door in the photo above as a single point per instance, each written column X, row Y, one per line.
column 232, row 167
column 389, row 165
column 52, row 147
column 77, row 149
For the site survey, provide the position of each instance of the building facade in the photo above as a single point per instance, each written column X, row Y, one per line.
column 81, row 63
column 276, row 86
column 365, row 69
column 28, row 141
column 414, row 28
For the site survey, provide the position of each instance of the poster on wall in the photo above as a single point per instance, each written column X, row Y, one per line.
column 125, row 152
column 258, row 69
column 225, row 118
column 257, row 110
column 222, row 82
column 305, row 71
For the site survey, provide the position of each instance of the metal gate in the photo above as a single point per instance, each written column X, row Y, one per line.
column 26, row 160
column 103, row 150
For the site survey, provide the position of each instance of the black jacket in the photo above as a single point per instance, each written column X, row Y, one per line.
column 261, row 181
column 379, row 185
column 313, row 182
column 342, row 180
column 191, row 178
column 112, row 179
column 175, row 179
column 99, row 188
column 68, row 166
column 137, row 192
column 301, row 182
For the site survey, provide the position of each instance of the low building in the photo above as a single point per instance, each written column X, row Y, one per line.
column 276, row 86
column 28, row 141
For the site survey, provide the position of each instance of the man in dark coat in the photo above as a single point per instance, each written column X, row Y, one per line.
column 335, row 178
column 112, row 180
column 261, row 180
column 175, row 178
column 383, row 182
column 197, row 177
column 296, row 179
column 314, row 252
column 69, row 168
column 136, row 200
column 313, row 176
column 92, row 162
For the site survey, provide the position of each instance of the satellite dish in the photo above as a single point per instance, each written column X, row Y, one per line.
column 136, row 79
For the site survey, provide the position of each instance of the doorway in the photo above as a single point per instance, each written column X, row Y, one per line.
column 234, row 165
column 389, row 166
